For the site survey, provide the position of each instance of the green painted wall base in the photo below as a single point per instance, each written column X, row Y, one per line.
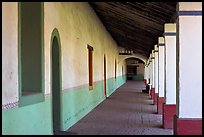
column 79, row 102
column 36, row 119
column 136, row 77
column 28, row 120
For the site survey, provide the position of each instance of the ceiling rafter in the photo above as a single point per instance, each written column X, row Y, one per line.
column 135, row 25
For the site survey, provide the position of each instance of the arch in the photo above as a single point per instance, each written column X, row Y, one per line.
column 56, row 80
column 135, row 71
column 123, row 57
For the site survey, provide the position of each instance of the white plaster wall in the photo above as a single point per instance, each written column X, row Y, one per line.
column 78, row 25
column 140, row 69
column 145, row 72
column 190, row 67
column 170, row 45
column 161, row 59
column 123, row 63
column 77, row 29
column 9, row 52
column 111, row 52
column 73, row 29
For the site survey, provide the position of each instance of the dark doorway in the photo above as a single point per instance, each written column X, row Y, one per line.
column 105, row 76
column 131, row 72
column 55, row 84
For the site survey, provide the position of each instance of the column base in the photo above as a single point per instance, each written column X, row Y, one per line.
column 187, row 126
column 169, row 110
column 155, row 98
column 152, row 91
column 145, row 82
column 160, row 101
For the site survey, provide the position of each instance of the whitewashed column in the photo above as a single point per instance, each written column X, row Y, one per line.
column 153, row 83
column 150, row 70
column 150, row 74
column 153, row 60
column 169, row 107
column 161, row 63
column 188, row 119
column 156, row 74
column 170, row 42
column 145, row 73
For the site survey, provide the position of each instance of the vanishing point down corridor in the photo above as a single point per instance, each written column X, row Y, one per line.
column 102, row 68
column 128, row 111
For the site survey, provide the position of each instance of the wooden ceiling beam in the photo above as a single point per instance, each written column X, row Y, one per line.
column 135, row 25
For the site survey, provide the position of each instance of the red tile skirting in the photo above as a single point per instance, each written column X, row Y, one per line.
column 155, row 98
column 169, row 110
column 160, row 101
column 187, row 126
column 10, row 105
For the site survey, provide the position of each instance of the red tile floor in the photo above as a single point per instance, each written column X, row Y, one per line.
column 128, row 111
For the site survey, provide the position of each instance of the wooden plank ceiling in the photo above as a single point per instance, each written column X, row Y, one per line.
column 135, row 25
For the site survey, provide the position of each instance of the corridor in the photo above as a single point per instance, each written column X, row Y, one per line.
column 128, row 111
column 80, row 68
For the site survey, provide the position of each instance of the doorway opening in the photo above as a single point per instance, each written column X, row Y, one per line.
column 55, row 83
column 105, row 76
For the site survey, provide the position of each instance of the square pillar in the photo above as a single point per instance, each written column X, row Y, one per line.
column 145, row 74
column 161, row 76
column 153, row 74
column 169, row 110
column 160, row 102
column 150, row 74
column 188, row 119
column 170, row 85
column 156, row 80
column 187, row 126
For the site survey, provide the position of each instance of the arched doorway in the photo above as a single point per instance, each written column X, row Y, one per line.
column 105, row 76
column 135, row 68
column 56, row 80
